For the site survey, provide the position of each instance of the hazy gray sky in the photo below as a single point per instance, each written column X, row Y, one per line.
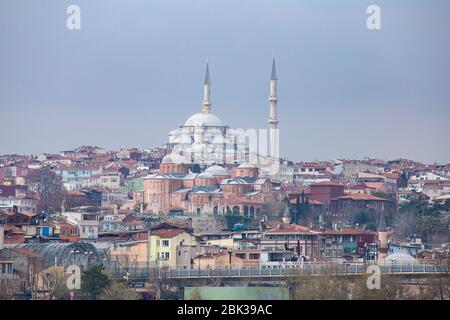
column 135, row 69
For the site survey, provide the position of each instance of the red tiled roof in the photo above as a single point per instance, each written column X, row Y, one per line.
column 13, row 229
column 77, row 168
column 314, row 165
column 239, row 200
column 359, row 187
column 347, row 231
column 360, row 197
column 286, row 228
column 328, row 183
column 29, row 214
column 167, row 233
column 74, row 193
column 393, row 174
column 316, row 202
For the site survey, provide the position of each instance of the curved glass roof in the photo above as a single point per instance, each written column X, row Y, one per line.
column 81, row 254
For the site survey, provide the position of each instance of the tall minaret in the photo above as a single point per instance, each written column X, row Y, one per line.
column 206, row 105
column 273, row 115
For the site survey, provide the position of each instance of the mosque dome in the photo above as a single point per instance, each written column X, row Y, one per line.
column 217, row 170
column 205, row 175
column 203, row 119
column 174, row 158
column 400, row 258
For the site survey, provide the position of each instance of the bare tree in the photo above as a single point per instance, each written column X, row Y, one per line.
column 31, row 275
column 48, row 187
column 391, row 289
column 195, row 294
column 53, row 283
column 119, row 290
column 324, row 286
column 404, row 225
column 214, row 278
column 7, row 289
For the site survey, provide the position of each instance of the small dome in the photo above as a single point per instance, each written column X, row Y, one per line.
column 399, row 258
column 203, row 119
column 217, row 170
column 205, row 175
column 174, row 158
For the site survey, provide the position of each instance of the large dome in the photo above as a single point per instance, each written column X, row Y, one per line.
column 203, row 119
column 174, row 158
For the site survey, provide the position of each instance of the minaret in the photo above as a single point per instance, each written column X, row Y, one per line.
column 206, row 106
column 383, row 237
column 273, row 115
column 286, row 214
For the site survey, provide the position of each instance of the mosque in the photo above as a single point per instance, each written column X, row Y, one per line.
column 205, row 140
column 229, row 183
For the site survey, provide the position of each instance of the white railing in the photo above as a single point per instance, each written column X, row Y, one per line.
column 311, row 268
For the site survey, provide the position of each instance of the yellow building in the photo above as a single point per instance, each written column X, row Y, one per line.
column 163, row 245
column 134, row 251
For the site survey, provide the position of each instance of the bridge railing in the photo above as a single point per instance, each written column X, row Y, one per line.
column 307, row 268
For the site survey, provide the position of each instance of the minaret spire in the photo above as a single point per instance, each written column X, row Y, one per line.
column 206, row 105
column 273, row 115
column 207, row 78
column 274, row 69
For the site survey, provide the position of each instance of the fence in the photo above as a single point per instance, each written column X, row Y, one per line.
column 307, row 268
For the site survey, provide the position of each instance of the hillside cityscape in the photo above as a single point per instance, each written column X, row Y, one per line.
column 133, row 167
column 125, row 214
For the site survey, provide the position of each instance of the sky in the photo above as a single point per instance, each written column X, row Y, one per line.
column 134, row 71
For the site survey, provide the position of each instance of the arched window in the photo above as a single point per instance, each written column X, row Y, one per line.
column 198, row 211
column 252, row 212
column 246, row 212
column 235, row 210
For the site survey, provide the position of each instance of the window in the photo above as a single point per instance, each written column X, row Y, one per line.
column 165, row 243
column 164, row 255
column 253, row 256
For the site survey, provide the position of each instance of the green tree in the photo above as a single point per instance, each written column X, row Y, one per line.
column 93, row 282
